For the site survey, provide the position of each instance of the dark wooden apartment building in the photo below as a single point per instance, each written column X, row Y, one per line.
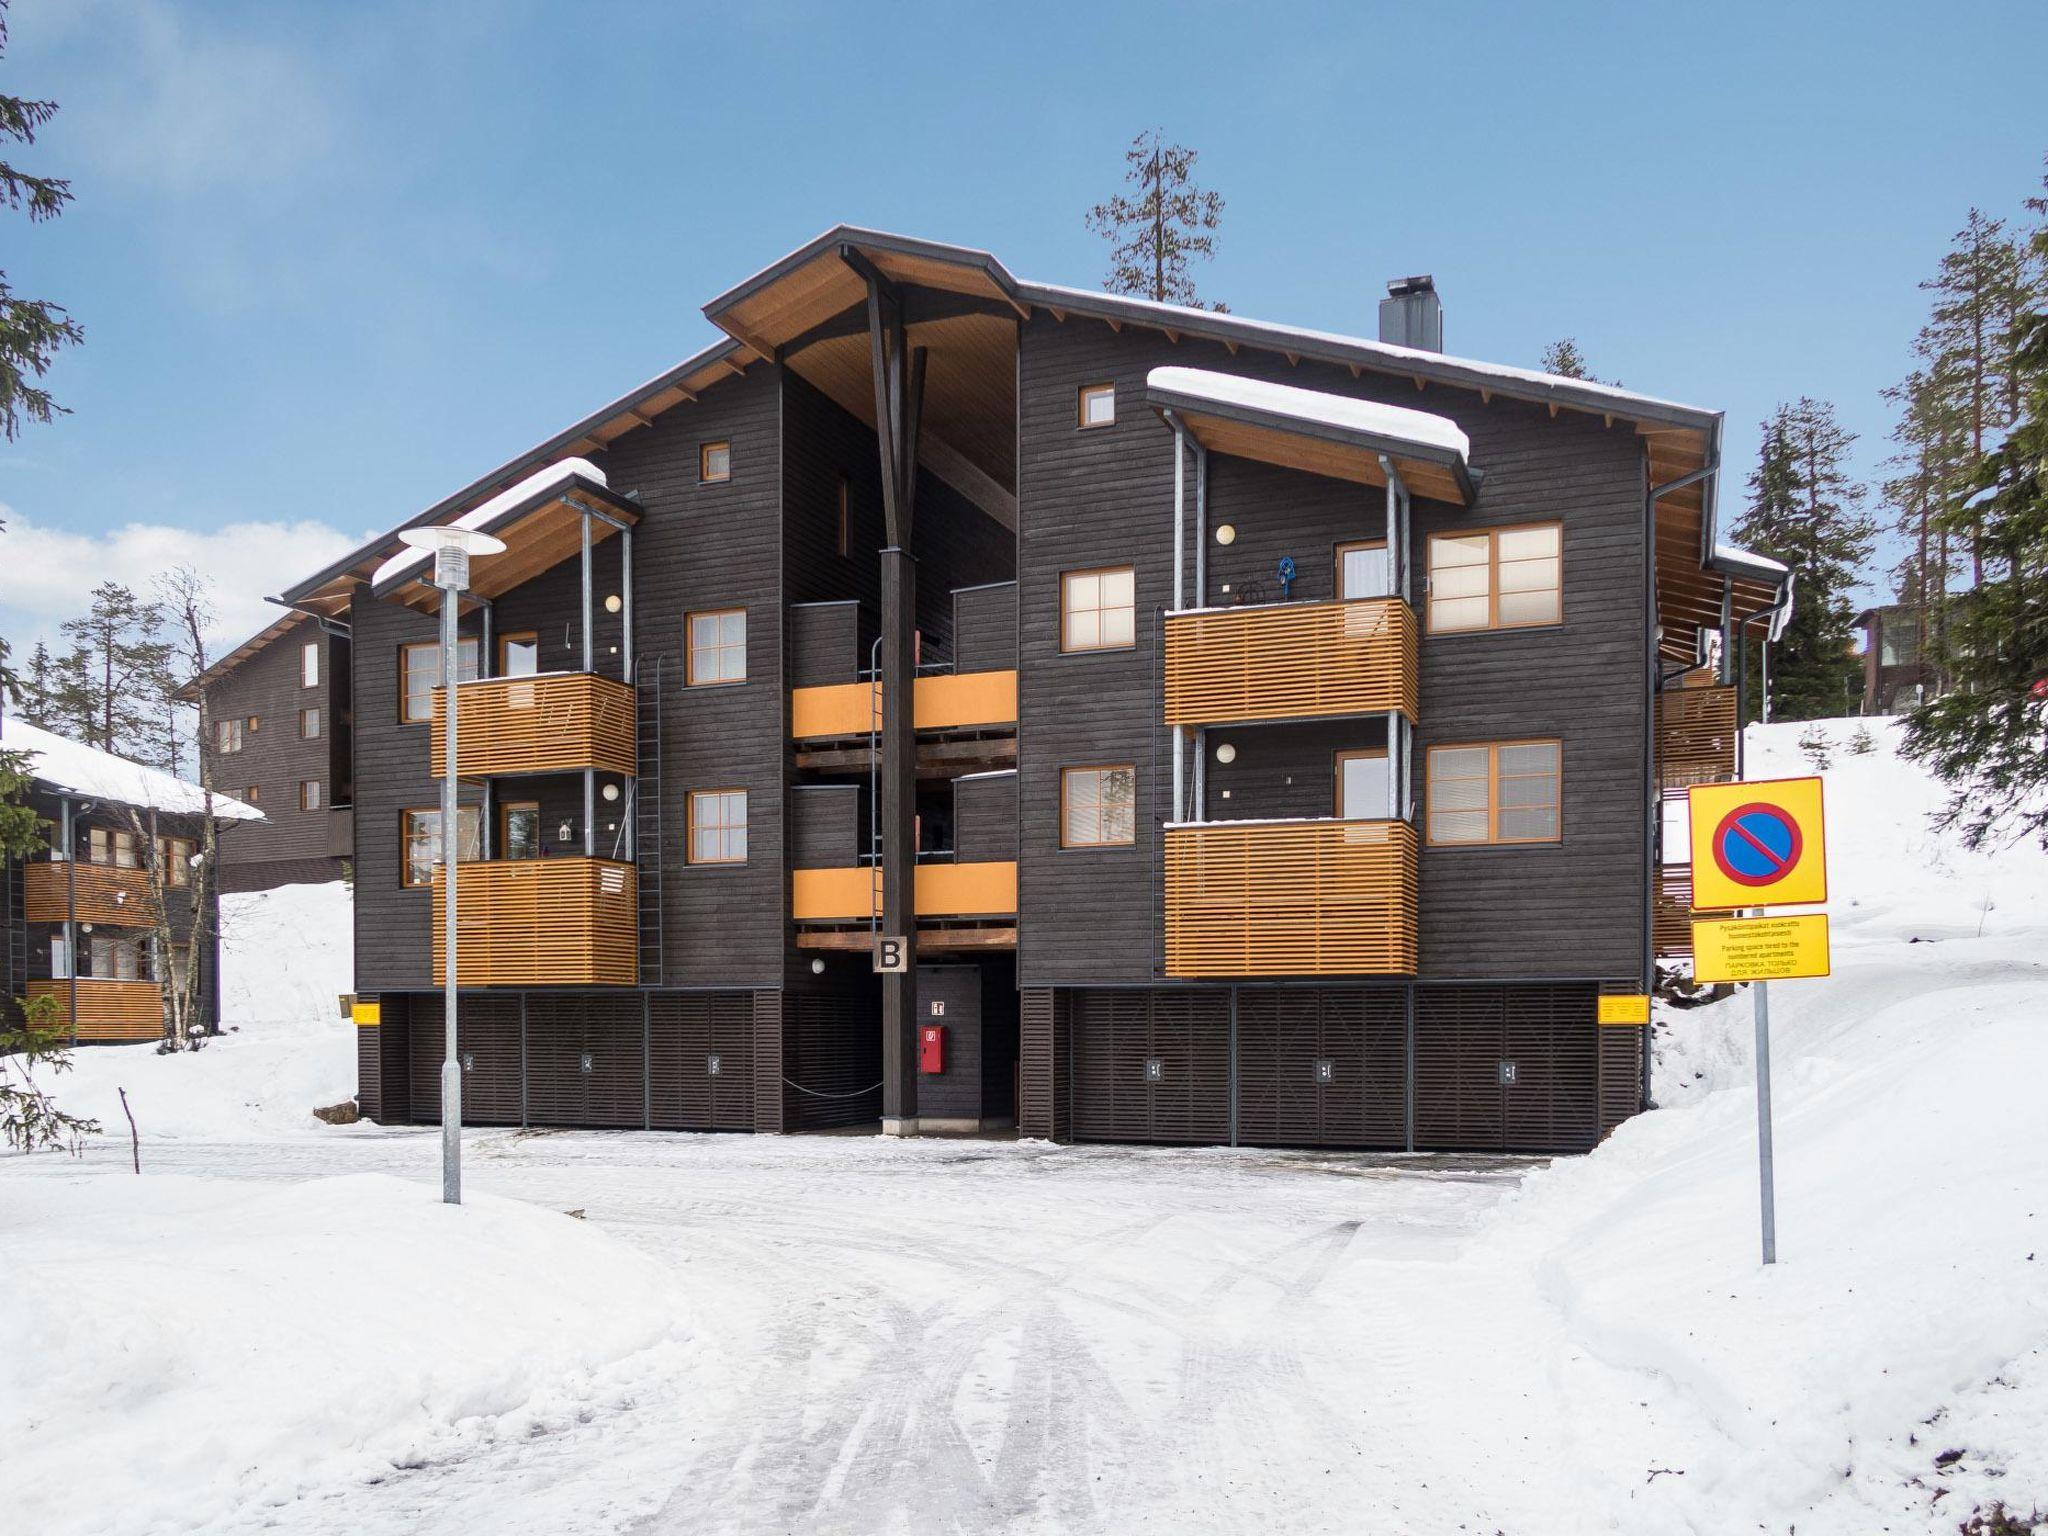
column 277, row 736
column 1253, row 735
column 79, row 917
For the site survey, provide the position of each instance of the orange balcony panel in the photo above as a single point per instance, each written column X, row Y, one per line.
column 953, row 702
column 571, row 922
column 1296, row 898
column 1291, row 661
column 550, row 723
column 107, row 1010
column 943, row 890
column 118, row 898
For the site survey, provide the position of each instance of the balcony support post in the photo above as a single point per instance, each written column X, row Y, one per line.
column 590, row 813
column 626, row 603
column 1201, row 526
column 1180, row 513
column 589, row 647
column 1397, row 530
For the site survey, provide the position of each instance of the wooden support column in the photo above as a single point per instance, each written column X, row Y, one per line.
column 899, row 397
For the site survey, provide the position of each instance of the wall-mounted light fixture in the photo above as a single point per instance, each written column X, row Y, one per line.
column 1225, row 752
column 613, row 603
column 611, row 791
column 1226, row 534
column 817, row 967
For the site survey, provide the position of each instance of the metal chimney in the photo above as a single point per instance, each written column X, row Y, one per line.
column 1411, row 315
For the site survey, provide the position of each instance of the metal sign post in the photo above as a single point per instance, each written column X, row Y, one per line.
column 451, row 549
column 1766, row 1173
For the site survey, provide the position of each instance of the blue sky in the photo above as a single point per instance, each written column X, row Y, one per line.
column 336, row 260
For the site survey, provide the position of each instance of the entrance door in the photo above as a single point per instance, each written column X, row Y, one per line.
column 1362, row 789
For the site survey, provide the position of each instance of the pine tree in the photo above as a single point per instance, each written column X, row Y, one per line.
column 37, row 688
column 1805, row 511
column 1564, row 359
column 1932, row 449
column 1985, row 739
column 116, row 672
column 31, row 330
column 1153, row 235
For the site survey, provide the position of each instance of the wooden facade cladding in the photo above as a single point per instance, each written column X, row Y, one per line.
column 550, row 723
column 1303, row 898
column 567, row 922
column 117, row 898
column 1291, row 661
column 107, row 1010
column 1696, row 736
column 943, row 890
column 958, row 701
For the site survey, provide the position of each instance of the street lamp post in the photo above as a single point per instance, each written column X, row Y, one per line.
column 452, row 548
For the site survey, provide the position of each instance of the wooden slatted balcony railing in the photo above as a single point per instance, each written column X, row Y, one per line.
column 1289, row 661
column 118, row 898
column 571, row 922
column 1671, row 916
column 960, row 701
column 1291, row 898
column 943, row 890
column 107, row 1010
column 1696, row 736
column 548, row 723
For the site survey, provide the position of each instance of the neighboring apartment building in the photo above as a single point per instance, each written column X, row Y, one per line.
column 277, row 736
column 1896, row 674
column 1252, row 735
column 78, row 918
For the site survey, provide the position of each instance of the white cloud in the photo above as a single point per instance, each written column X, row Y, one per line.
column 47, row 574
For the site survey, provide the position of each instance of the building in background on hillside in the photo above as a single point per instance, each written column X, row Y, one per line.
column 77, row 918
column 1251, row 735
column 279, row 716
column 1896, row 673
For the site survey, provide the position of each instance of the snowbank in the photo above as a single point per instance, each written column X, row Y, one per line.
column 1909, row 1307
column 287, row 955
column 247, row 1343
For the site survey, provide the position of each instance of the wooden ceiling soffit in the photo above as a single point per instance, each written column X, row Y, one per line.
column 1332, row 457
column 537, row 538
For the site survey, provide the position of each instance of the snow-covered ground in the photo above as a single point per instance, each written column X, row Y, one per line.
column 843, row 1334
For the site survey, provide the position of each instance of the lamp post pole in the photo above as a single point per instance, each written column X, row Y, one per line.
column 452, row 548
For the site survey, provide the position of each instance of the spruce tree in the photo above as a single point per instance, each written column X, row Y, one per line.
column 37, row 687
column 31, row 330
column 1985, row 739
column 1154, row 234
column 1805, row 510
column 115, row 676
column 1564, row 359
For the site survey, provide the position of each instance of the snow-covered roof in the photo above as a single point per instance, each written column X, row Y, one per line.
column 77, row 769
column 1396, row 423
column 1736, row 555
column 544, row 479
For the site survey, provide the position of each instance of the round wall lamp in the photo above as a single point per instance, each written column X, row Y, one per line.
column 1226, row 534
column 611, row 791
column 817, row 967
column 613, row 603
column 1225, row 752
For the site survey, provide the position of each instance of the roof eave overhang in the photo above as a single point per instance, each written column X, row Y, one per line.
column 576, row 488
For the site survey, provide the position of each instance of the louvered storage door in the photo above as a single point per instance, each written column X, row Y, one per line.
column 1109, row 1043
column 1190, row 1035
column 1259, row 1067
column 1116, row 1033
column 557, row 1092
column 732, row 1038
column 611, row 1035
column 1554, row 1104
column 489, row 1042
column 1460, row 1041
column 1364, row 1037
column 667, row 1061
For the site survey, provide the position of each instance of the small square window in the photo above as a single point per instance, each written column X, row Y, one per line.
column 717, row 647
column 419, row 671
column 1098, row 806
column 420, row 842
column 1496, row 792
column 309, row 794
column 714, row 462
column 1098, row 405
column 718, row 826
column 309, row 724
column 253, row 794
column 1098, row 610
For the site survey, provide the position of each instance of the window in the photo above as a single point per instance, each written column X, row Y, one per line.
column 255, row 724
column 181, row 965
column 116, row 959
column 519, row 829
column 420, row 832
column 1363, row 570
column 309, row 794
column 110, row 846
column 227, row 736
column 718, row 826
column 718, row 647
column 174, row 855
column 1362, row 785
column 253, row 794
column 1098, row 405
column 309, row 724
column 1098, row 806
column 1097, row 610
column 714, row 462
column 419, row 674
column 1501, row 792
column 845, row 517
column 1502, row 578
column 309, row 664
column 519, row 654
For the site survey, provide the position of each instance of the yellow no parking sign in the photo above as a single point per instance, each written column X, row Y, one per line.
column 1759, row 843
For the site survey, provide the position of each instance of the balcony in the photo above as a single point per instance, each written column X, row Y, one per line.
column 960, row 701
column 106, row 894
column 943, row 891
column 547, row 723
column 1290, row 661
column 1291, row 898
column 569, row 922
column 107, row 1010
